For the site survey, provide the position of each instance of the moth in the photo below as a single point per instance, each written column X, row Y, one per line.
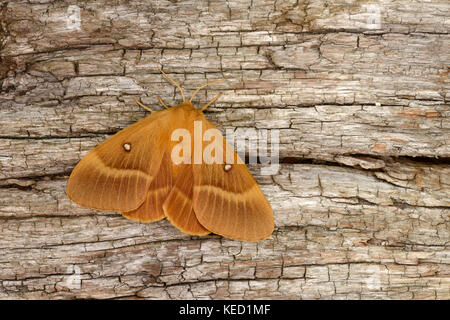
column 133, row 173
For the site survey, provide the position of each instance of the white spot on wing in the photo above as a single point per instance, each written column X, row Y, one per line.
column 127, row 147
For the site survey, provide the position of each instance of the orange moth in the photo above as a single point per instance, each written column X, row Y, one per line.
column 211, row 190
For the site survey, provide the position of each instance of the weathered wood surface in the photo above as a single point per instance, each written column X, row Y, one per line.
column 362, row 197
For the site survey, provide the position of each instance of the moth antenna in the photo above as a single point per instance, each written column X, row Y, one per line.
column 162, row 102
column 173, row 82
column 143, row 105
column 211, row 102
column 205, row 85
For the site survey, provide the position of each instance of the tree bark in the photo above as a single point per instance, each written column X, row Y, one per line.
column 358, row 90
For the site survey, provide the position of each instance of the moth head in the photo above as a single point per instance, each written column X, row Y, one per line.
column 185, row 102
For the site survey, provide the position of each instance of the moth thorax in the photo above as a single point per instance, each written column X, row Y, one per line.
column 127, row 147
column 227, row 167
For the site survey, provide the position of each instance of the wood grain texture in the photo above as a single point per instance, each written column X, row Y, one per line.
column 361, row 201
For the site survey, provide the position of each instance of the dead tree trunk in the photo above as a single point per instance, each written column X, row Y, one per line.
column 358, row 90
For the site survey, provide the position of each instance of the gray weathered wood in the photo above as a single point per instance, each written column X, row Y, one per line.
column 362, row 198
